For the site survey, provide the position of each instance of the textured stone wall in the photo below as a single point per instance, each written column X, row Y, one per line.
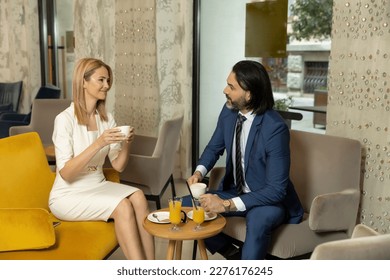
column 149, row 46
column 19, row 47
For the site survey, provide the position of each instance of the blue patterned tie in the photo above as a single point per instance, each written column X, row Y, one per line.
column 239, row 172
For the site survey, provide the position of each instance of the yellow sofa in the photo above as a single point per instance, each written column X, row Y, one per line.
column 27, row 226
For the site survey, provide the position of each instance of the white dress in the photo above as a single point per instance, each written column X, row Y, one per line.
column 90, row 196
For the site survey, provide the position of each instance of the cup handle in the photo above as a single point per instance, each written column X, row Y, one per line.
column 184, row 219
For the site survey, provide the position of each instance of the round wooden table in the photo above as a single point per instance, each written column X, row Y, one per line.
column 50, row 151
column 210, row 228
column 50, row 154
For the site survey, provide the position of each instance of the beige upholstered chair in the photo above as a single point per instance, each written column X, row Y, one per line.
column 151, row 161
column 326, row 173
column 365, row 244
column 43, row 113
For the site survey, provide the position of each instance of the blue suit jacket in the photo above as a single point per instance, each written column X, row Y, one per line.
column 267, row 161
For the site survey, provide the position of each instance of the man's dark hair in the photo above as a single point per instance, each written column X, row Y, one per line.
column 253, row 77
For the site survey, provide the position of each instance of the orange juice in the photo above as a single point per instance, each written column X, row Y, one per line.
column 175, row 212
column 198, row 215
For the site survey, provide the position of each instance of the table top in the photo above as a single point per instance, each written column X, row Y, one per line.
column 210, row 228
column 50, row 151
column 314, row 109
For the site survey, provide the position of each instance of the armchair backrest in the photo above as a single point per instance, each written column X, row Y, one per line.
column 339, row 168
column 48, row 92
column 26, row 178
column 10, row 93
column 166, row 147
column 167, row 143
column 152, row 160
column 43, row 114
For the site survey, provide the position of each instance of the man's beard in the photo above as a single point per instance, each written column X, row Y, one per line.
column 237, row 105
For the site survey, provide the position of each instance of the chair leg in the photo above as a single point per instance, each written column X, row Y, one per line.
column 158, row 203
column 194, row 249
column 154, row 198
column 157, row 198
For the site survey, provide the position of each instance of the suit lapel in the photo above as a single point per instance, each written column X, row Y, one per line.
column 256, row 126
column 230, row 128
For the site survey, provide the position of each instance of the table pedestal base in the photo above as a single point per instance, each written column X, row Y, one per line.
column 175, row 249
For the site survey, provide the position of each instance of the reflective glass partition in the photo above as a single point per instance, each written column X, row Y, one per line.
column 57, row 43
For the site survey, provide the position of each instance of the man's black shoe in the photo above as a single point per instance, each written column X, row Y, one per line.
column 235, row 256
column 231, row 252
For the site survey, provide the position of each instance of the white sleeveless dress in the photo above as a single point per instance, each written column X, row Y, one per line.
column 90, row 196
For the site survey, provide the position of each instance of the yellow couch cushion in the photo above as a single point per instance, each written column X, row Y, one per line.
column 74, row 241
column 23, row 229
column 26, row 178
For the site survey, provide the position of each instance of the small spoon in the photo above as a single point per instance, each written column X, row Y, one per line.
column 156, row 217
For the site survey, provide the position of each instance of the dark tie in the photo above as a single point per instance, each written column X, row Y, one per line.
column 239, row 172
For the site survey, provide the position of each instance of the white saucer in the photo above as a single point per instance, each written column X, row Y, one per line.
column 208, row 216
column 162, row 217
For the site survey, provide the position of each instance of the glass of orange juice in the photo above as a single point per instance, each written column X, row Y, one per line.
column 198, row 215
column 175, row 212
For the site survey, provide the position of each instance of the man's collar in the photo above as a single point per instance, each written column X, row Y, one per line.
column 249, row 115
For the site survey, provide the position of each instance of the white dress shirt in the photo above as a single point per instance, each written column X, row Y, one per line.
column 246, row 126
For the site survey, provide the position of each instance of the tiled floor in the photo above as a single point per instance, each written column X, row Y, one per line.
column 306, row 124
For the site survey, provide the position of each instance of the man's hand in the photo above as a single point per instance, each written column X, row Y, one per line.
column 195, row 178
column 212, row 203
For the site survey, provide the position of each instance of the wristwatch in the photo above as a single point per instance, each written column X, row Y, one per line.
column 226, row 204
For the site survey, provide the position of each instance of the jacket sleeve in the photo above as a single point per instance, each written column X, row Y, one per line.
column 217, row 144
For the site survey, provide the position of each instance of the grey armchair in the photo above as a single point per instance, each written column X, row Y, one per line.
column 326, row 173
column 43, row 114
column 365, row 244
column 10, row 119
column 151, row 161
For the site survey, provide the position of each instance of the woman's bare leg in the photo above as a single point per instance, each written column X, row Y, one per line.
column 126, row 229
column 140, row 203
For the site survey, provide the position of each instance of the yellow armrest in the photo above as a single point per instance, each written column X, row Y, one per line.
column 111, row 175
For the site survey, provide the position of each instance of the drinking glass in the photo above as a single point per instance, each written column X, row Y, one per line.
column 175, row 212
column 198, row 215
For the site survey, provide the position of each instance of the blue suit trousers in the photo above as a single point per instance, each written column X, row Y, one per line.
column 260, row 222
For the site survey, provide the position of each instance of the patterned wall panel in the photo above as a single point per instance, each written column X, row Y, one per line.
column 137, row 88
column 359, row 97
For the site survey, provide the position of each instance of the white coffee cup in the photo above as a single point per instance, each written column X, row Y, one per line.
column 125, row 129
column 198, row 189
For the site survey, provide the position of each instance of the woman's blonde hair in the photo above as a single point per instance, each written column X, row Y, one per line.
column 84, row 69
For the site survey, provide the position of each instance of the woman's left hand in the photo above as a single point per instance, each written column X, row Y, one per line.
column 131, row 136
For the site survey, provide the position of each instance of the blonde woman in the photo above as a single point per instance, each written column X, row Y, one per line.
column 84, row 134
